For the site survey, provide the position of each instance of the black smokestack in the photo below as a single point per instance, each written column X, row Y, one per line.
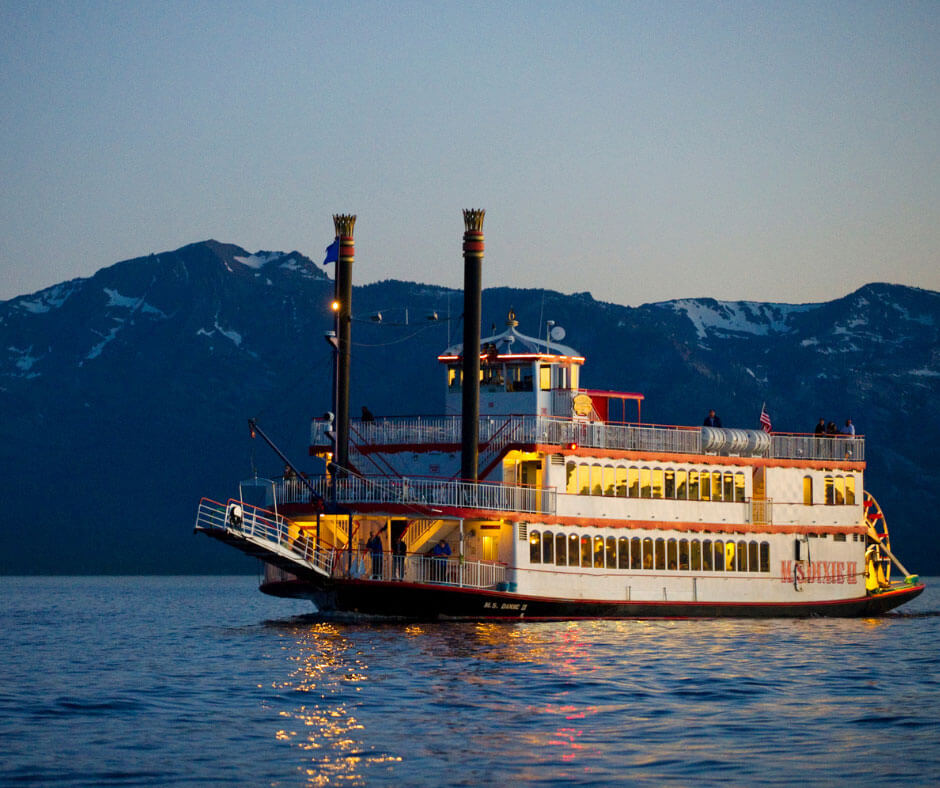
column 472, row 290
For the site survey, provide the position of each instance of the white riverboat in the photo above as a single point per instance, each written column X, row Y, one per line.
column 578, row 509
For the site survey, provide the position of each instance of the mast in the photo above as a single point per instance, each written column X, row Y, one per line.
column 470, row 388
column 344, row 224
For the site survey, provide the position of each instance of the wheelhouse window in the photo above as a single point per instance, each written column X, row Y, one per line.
column 535, row 547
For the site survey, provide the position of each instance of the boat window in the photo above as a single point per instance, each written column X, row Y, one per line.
column 669, row 490
column 574, row 375
column 739, row 488
column 682, row 489
column 742, row 556
column 729, row 556
column 807, row 490
column 672, row 561
column 645, row 489
column 454, row 375
column 660, row 553
column 596, row 479
column 599, row 552
column 621, row 482
column 545, row 377
column 765, row 556
column 753, row 557
column 707, row 555
column 696, row 555
column 705, row 486
column 623, row 552
column 657, row 491
column 608, row 480
column 683, row 553
column 636, row 556
column 561, row 554
column 839, row 490
column 535, row 548
column 611, row 557
column 584, row 480
column 719, row 552
column 648, row 553
column 586, row 552
column 633, row 482
column 850, row 490
column 574, row 552
column 693, row 486
column 728, row 493
column 548, row 548
column 830, row 494
column 716, row 485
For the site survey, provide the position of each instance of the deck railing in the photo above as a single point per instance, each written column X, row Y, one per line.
column 424, row 493
column 445, row 430
column 264, row 529
column 415, row 568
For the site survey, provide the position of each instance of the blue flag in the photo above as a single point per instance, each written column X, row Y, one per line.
column 332, row 252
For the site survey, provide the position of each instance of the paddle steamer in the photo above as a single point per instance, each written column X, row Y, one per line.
column 533, row 497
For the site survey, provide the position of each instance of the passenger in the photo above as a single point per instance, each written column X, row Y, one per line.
column 712, row 420
column 367, row 414
column 439, row 553
column 374, row 546
column 849, row 428
column 821, row 427
column 831, row 428
column 399, row 551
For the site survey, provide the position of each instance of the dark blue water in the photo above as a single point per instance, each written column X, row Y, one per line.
column 156, row 681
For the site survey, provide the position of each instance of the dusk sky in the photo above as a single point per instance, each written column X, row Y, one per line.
column 642, row 151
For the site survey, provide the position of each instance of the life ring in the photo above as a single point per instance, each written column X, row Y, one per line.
column 234, row 515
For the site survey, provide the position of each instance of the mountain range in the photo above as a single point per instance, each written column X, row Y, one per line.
column 125, row 395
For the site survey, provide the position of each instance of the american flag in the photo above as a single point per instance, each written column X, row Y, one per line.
column 765, row 419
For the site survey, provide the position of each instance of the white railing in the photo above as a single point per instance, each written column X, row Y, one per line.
column 503, row 430
column 263, row 529
column 413, row 568
column 422, row 492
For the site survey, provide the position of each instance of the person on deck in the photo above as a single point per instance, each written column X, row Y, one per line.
column 712, row 419
column 374, row 546
column 821, row 427
column 439, row 553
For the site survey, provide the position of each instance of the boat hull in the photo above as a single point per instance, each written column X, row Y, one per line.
column 413, row 601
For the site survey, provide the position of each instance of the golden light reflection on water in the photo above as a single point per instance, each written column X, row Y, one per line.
column 324, row 729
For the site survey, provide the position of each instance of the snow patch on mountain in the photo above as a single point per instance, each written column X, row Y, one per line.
column 129, row 302
column 48, row 299
column 740, row 317
column 106, row 339
column 233, row 336
column 24, row 360
column 259, row 259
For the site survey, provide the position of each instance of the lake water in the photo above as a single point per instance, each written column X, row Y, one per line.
column 203, row 680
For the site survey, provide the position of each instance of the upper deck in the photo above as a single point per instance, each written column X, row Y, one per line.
column 442, row 433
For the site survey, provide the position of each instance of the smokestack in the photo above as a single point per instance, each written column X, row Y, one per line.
column 344, row 225
column 470, row 413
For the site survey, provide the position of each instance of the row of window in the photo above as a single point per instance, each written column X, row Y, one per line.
column 634, row 482
column 696, row 555
column 837, row 490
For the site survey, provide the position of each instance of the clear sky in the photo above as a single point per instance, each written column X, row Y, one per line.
column 642, row 151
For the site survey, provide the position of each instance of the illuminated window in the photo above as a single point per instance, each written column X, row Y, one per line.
column 636, row 554
column 571, row 478
column 561, row 553
column 683, row 553
column 586, row 553
column 694, row 492
column 645, row 488
column 669, row 490
column 660, row 553
column 574, row 376
column 548, row 548
column 648, row 553
column 753, row 557
column 545, row 377
column 807, row 490
column 707, row 555
column 621, row 482
column 453, row 377
column 729, row 556
column 716, row 485
column 535, row 548
column 672, row 561
column 623, row 552
column 598, row 552
column 657, row 485
column 610, row 559
column 719, row 551
column 742, row 556
column 596, row 479
column 608, row 480
column 574, row 553
column 850, row 490
column 765, row 556
column 739, row 487
column 705, row 486
column 839, row 484
column 830, row 490
column 696, row 555
column 584, row 479
column 728, row 493
column 633, row 482
column 682, row 486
